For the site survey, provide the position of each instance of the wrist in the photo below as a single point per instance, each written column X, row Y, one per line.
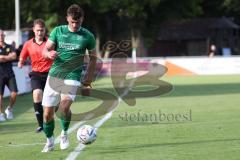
column 21, row 62
column 87, row 85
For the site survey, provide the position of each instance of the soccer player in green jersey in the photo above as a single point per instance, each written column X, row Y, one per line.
column 66, row 46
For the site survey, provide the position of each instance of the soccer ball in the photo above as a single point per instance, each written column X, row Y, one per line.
column 86, row 134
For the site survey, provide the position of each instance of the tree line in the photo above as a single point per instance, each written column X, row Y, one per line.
column 115, row 20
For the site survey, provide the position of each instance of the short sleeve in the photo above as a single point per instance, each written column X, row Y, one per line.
column 91, row 42
column 24, row 53
column 53, row 35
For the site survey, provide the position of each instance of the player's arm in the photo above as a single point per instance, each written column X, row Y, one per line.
column 48, row 50
column 10, row 57
column 23, row 55
column 88, row 78
column 2, row 59
column 21, row 62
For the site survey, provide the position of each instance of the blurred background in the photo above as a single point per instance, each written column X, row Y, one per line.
column 156, row 28
column 197, row 43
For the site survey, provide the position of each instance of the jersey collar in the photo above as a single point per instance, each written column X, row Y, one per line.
column 76, row 31
column 44, row 39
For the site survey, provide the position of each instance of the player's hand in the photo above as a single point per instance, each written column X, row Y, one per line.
column 52, row 55
column 20, row 64
column 2, row 59
column 87, row 86
column 85, row 90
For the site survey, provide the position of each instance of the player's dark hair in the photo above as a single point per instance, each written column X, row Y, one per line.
column 39, row 22
column 75, row 11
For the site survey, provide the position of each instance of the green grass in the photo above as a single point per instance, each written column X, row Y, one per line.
column 210, row 132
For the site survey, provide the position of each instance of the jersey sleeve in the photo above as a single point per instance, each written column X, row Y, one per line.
column 91, row 42
column 24, row 53
column 53, row 35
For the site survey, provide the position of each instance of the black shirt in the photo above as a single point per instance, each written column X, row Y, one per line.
column 6, row 67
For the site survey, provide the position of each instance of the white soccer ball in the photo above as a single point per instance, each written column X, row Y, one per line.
column 86, row 134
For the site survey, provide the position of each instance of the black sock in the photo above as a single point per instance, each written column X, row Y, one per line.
column 39, row 113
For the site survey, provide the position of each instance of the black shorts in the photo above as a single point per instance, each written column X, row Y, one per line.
column 38, row 79
column 10, row 82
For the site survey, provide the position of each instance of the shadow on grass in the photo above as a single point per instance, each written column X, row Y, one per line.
column 24, row 102
column 14, row 127
column 205, row 89
column 117, row 122
column 187, row 90
column 127, row 148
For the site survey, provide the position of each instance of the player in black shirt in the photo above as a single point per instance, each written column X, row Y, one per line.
column 7, row 77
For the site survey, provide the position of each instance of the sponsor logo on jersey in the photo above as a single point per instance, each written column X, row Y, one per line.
column 64, row 35
column 69, row 46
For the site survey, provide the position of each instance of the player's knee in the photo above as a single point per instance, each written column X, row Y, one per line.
column 47, row 117
column 37, row 95
column 48, row 114
column 66, row 102
column 13, row 94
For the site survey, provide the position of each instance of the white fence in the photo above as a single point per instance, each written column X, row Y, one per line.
column 23, row 80
column 175, row 65
column 187, row 65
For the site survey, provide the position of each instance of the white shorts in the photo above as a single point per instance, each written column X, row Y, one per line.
column 56, row 88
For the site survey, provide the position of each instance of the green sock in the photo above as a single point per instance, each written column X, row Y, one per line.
column 48, row 128
column 65, row 122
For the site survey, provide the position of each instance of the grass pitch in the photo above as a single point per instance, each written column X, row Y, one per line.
column 198, row 120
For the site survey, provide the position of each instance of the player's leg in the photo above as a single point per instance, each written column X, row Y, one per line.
column 48, row 128
column 12, row 85
column 49, row 123
column 38, row 83
column 64, row 108
column 65, row 119
column 50, row 99
column 67, row 98
column 1, row 103
column 2, row 117
column 2, row 85
column 38, row 108
column 12, row 99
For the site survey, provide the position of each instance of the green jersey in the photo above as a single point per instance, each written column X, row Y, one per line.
column 71, row 48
